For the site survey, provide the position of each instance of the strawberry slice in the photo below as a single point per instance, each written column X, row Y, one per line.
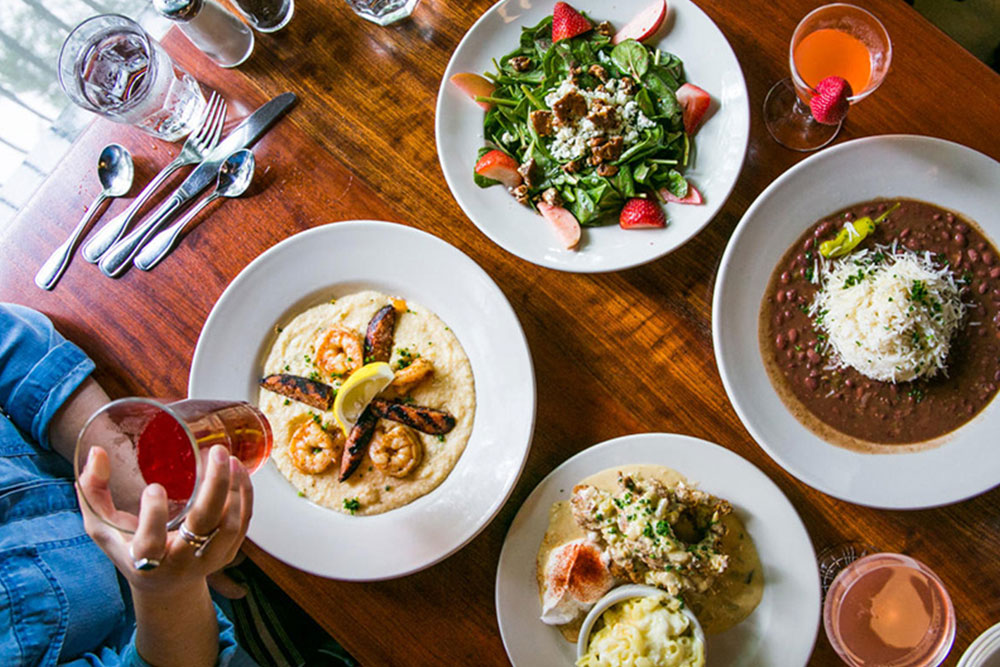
column 692, row 197
column 567, row 22
column 829, row 105
column 474, row 86
column 694, row 101
column 500, row 167
column 639, row 213
column 644, row 24
column 565, row 225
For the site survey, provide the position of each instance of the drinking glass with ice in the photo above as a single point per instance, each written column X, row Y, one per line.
column 111, row 66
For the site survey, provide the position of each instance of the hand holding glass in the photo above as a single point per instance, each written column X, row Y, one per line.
column 151, row 441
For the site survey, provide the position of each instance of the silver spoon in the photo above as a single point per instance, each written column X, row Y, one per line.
column 115, row 171
column 234, row 178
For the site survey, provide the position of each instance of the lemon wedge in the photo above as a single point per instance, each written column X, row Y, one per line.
column 358, row 391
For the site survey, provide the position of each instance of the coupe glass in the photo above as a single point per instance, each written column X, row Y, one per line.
column 832, row 40
column 888, row 610
column 151, row 441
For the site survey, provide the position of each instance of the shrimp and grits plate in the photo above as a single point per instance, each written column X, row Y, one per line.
column 374, row 350
column 401, row 463
column 691, row 518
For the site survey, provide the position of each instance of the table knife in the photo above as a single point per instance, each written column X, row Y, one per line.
column 118, row 258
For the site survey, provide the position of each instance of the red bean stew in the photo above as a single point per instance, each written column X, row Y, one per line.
column 851, row 403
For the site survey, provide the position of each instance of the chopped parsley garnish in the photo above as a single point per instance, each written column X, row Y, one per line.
column 352, row 505
column 406, row 358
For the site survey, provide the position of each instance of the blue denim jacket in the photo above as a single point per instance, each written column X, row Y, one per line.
column 61, row 599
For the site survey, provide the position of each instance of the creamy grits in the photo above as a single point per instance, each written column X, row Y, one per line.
column 419, row 334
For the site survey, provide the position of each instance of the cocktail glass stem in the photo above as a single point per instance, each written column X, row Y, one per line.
column 790, row 122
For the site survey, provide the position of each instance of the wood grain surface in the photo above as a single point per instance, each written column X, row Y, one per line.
column 632, row 350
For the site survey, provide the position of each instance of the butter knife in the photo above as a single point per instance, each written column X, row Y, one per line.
column 119, row 257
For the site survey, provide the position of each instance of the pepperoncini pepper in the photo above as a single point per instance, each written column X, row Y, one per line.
column 852, row 234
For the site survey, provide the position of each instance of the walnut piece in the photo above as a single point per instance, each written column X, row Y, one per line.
column 529, row 171
column 520, row 63
column 608, row 151
column 572, row 106
column 552, row 197
column 573, row 166
column 541, row 120
column 520, row 193
column 599, row 72
column 602, row 115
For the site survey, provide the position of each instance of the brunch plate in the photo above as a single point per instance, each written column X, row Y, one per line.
column 780, row 631
column 336, row 259
column 720, row 143
column 965, row 462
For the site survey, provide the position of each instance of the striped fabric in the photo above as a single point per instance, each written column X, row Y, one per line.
column 275, row 631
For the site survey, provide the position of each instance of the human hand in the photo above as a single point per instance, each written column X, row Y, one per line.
column 224, row 501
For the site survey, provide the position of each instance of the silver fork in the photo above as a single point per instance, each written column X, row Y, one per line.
column 198, row 145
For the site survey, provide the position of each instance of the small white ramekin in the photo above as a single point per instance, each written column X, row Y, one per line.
column 627, row 592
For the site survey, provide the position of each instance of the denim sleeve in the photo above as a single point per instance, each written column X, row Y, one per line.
column 127, row 656
column 39, row 369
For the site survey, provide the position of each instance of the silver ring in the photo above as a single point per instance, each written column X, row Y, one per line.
column 143, row 564
column 146, row 564
column 199, row 542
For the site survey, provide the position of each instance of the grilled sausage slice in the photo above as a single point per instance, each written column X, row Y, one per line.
column 378, row 337
column 425, row 420
column 357, row 444
column 303, row 390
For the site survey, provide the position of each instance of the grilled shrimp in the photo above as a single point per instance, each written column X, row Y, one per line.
column 409, row 377
column 395, row 450
column 339, row 352
column 312, row 449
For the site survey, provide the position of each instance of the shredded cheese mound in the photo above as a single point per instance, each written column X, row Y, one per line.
column 890, row 313
column 644, row 632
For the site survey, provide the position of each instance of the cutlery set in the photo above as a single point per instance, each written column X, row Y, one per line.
column 229, row 163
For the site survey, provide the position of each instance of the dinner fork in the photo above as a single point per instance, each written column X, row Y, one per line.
column 197, row 146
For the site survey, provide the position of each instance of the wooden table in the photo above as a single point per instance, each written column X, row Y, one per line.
column 633, row 348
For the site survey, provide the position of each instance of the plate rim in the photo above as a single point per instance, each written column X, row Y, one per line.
column 745, row 128
column 651, row 436
column 720, row 354
column 494, row 508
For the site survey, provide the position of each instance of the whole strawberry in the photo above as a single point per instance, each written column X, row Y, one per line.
column 567, row 22
column 829, row 106
column 639, row 212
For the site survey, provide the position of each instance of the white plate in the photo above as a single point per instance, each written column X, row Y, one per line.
column 780, row 632
column 933, row 170
column 721, row 142
column 345, row 257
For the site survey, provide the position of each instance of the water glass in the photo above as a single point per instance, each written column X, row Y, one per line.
column 111, row 66
column 383, row 12
column 266, row 15
column 151, row 441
